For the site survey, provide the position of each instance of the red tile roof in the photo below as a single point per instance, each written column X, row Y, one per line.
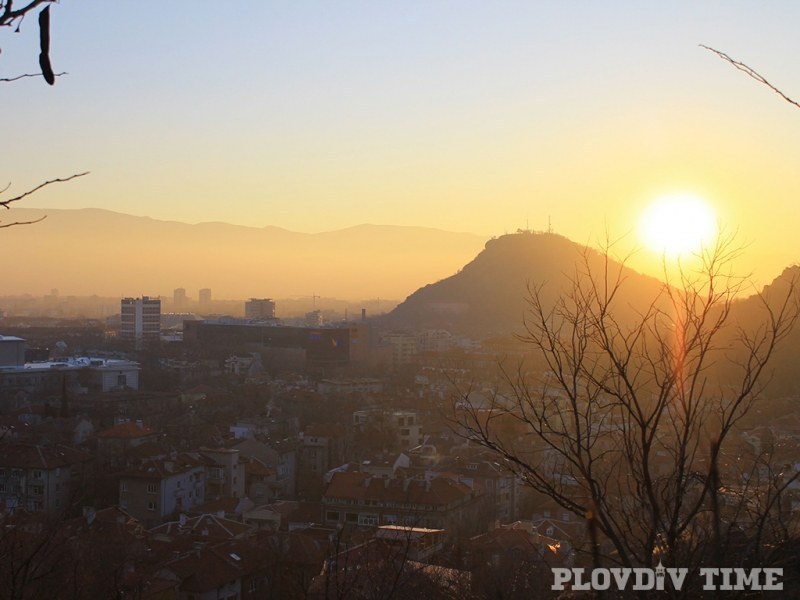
column 31, row 456
column 126, row 431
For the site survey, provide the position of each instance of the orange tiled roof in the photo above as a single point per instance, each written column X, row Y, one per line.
column 31, row 456
column 126, row 431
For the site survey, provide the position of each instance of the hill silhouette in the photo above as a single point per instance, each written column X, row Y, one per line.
column 488, row 296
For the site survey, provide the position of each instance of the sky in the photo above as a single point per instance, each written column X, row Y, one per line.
column 480, row 117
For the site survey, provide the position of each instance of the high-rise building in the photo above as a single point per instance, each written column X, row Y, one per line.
column 259, row 309
column 204, row 297
column 140, row 318
column 179, row 299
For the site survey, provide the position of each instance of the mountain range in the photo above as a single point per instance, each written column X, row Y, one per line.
column 95, row 251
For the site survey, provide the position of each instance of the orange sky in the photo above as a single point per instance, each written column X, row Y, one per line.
column 479, row 118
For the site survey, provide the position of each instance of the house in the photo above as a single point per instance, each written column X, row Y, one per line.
column 322, row 447
column 225, row 472
column 159, row 488
column 34, row 477
column 114, row 444
column 280, row 455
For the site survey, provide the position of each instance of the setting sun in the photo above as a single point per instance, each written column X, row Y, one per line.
column 677, row 225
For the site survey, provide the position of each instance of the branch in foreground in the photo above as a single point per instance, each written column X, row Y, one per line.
column 6, row 203
column 18, row 77
column 750, row 73
column 15, row 223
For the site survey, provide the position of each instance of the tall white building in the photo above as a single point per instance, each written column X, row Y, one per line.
column 140, row 318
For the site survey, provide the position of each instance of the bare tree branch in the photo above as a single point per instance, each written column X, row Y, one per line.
column 6, row 203
column 18, row 77
column 15, row 223
column 750, row 72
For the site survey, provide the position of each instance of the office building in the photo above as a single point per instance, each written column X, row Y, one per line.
column 259, row 309
column 140, row 318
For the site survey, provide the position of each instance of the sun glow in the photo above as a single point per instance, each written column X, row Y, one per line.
column 678, row 225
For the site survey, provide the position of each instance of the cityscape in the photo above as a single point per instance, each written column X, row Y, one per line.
column 306, row 309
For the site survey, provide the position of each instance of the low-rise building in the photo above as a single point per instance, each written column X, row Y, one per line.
column 160, row 488
column 35, row 478
column 358, row 499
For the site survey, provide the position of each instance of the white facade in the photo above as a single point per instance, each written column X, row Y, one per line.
column 140, row 318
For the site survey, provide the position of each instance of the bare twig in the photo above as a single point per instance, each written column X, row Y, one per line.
column 18, row 77
column 6, row 203
column 751, row 73
column 15, row 223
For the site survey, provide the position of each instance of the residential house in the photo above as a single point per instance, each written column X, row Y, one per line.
column 157, row 489
column 35, row 478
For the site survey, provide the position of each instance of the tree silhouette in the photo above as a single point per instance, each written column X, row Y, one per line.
column 633, row 424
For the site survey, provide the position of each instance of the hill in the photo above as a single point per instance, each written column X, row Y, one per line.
column 488, row 296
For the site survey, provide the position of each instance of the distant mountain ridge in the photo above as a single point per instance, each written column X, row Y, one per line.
column 95, row 251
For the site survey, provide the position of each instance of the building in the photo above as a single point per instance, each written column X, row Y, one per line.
column 323, row 446
column 323, row 345
column 259, row 309
column 12, row 351
column 403, row 425
column 37, row 478
column 314, row 319
column 160, row 488
column 359, row 499
column 115, row 444
column 79, row 375
column 225, row 473
column 404, row 346
column 204, row 297
column 179, row 299
column 140, row 318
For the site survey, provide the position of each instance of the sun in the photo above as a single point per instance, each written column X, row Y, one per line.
column 678, row 225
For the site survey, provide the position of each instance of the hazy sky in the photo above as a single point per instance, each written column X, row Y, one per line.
column 466, row 116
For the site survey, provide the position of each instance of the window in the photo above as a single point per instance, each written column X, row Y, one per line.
column 332, row 515
column 351, row 517
column 122, row 380
column 367, row 519
column 37, row 474
column 123, row 486
column 151, row 488
column 151, row 506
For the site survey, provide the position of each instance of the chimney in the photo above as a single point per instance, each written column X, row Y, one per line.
column 363, row 314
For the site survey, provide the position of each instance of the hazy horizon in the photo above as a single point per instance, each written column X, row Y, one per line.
column 479, row 118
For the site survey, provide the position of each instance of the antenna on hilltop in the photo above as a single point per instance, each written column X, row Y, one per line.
column 549, row 224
